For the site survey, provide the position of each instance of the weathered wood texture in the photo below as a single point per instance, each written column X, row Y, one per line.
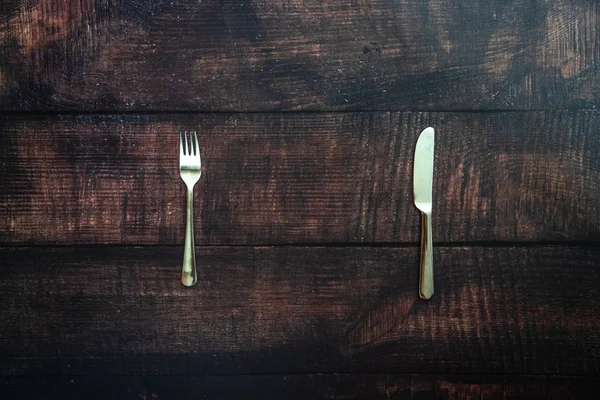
column 299, row 178
column 285, row 309
column 302, row 386
column 319, row 55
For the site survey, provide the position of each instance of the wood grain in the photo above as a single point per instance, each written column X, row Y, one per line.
column 297, row 321
column 285, row 309
column 133, row 55
column 299, row 178
column 302, row 386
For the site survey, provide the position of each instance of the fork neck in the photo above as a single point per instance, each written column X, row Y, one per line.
column 190, row 195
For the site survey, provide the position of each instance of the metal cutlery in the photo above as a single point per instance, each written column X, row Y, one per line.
column 422, row 191
column 190, row 171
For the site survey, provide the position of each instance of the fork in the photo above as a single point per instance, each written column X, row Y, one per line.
column 190, row 170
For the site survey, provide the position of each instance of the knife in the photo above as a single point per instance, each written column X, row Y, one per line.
column 422, row 192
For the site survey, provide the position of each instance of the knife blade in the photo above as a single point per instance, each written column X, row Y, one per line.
column 423, row 198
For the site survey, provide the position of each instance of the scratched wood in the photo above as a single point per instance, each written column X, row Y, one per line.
column 341, row 321
column 300, row 178
column 302, row 386
column 304, row 55
column 285, row 309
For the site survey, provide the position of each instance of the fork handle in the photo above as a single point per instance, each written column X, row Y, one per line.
column 188, row 271
column 426, row 273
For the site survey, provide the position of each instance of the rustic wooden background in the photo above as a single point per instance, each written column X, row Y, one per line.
column 307, row 112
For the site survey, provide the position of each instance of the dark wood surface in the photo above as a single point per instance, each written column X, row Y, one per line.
column 304, row 386
column 308, row 113
column 300, row 178
column 269, row 310
column 301, row 55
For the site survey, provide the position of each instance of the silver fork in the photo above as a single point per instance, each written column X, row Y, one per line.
column 190, row 170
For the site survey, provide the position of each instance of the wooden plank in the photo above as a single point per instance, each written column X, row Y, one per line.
column 302, row 386
column 309, row 55
column 299, row 178
column 285, row 309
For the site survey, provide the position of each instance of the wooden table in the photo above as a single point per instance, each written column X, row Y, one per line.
column 308, row 113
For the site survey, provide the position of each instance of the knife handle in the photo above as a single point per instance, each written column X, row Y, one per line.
column 426, row 272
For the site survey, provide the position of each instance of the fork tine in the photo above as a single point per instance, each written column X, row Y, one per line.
column 196, row 146
column 188, row 149
column 181, row 151
column 188, row 143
